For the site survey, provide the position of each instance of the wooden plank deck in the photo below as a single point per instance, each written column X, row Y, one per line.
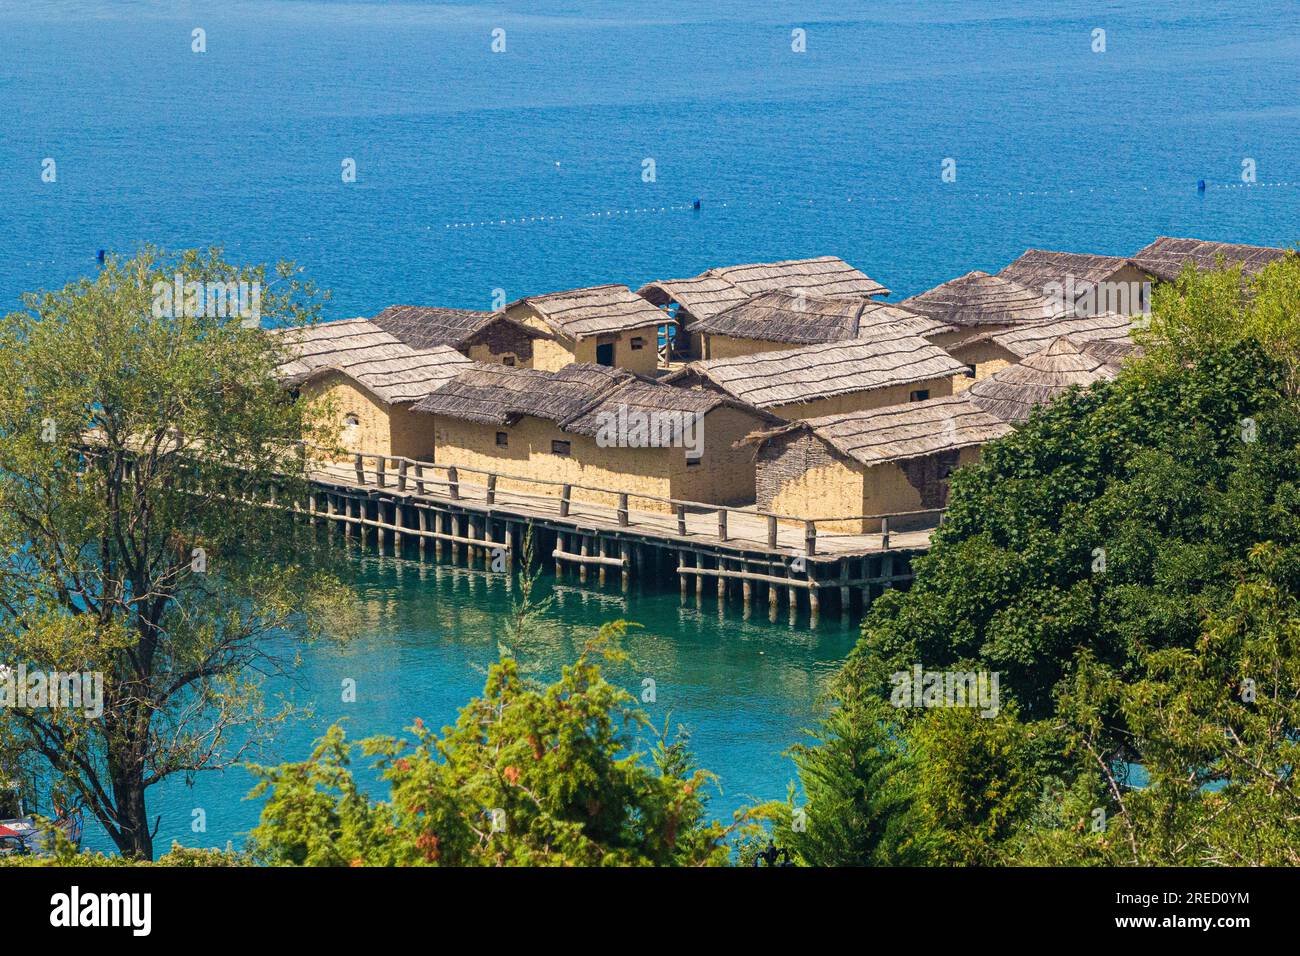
column 745, row 531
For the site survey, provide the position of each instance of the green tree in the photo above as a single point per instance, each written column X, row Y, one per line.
column 528, row 776
column 1104, row 560
column 135, row 437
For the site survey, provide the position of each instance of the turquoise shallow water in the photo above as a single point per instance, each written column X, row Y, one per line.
column 744, row 689
column 837, row 150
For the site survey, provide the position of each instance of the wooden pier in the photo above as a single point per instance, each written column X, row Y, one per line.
column 745, row 555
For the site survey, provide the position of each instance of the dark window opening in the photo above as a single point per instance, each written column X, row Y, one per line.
column 692, row 461
column 560, row 448
column 508, row 360
column 920, row 395
column 638, row 343
column 605, row 354
column 970, row 371
column 503, row 440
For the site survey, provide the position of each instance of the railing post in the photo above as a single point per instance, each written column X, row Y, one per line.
column 771, row 532
column 453, row 483
column 622, row 510
column 361, row 471
column 379, row 470
column 564, row 500
column 401, row 474
column 884, row 533
column 492, row 489
column 810, row 537
column 419, row 478
column 681, row 520
column 722, row 524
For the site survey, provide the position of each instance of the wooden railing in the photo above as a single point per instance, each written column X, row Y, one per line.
column 410, row 476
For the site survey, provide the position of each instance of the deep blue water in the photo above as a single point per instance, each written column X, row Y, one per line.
column 837, row 150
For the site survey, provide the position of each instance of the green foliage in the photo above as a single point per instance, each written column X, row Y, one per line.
column 1126, row 562
column 529, row 775
column 130, row 444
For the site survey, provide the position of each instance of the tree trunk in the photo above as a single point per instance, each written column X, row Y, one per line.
column 134, row 838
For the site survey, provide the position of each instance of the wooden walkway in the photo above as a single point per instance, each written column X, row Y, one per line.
column 736, row 550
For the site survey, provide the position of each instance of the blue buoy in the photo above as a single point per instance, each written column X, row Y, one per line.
column 1200, row 185
column 696, row 204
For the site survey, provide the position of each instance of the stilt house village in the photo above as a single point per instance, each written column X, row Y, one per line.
column 793, row 389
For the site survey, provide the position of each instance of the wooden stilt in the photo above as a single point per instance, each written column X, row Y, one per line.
column 422, row 519
column 582, row 565
column 625, row 552
column 601, row 573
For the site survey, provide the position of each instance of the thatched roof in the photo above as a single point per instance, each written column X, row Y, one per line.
column 901, row 432
column 769, row 379
column 786, row 317
column 581, row 313
column 710, row 292
column 425, row 326
column 378, row 360
column 1037, row 269
column 888, row 318
column 1166, row 257
column 1012, row 392
column 813, row 319
column 575, row 397
column 978, row 298
column 1025, row 340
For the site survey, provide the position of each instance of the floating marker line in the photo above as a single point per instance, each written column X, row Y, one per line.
column 940, row 193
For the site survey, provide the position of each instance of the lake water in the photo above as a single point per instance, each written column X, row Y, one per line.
column 836, row 150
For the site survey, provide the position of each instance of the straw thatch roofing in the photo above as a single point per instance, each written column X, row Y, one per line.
column 394, row 371
column 1037, row 269
column 1025, row 340
column 805, row 319
column 978, row 298
column 901, row 432
column 887, row 318
column 574, row 397
column 1012, row 392
column 769, row 379
column 1166, row 257
column 710, row 292
column 581, row 313
column 422, row 327
column 786, row 317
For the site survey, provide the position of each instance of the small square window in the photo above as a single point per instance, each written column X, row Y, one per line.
column 638, row 343
column 503, row 440
column 920, row 395
column 560, row 448
column 508, row 360
column 693, row 460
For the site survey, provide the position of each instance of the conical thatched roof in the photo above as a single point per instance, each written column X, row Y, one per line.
column 711, row 292
column 1011, row 393
column 1166, row 257
column 378, row 360
column 978, row 298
